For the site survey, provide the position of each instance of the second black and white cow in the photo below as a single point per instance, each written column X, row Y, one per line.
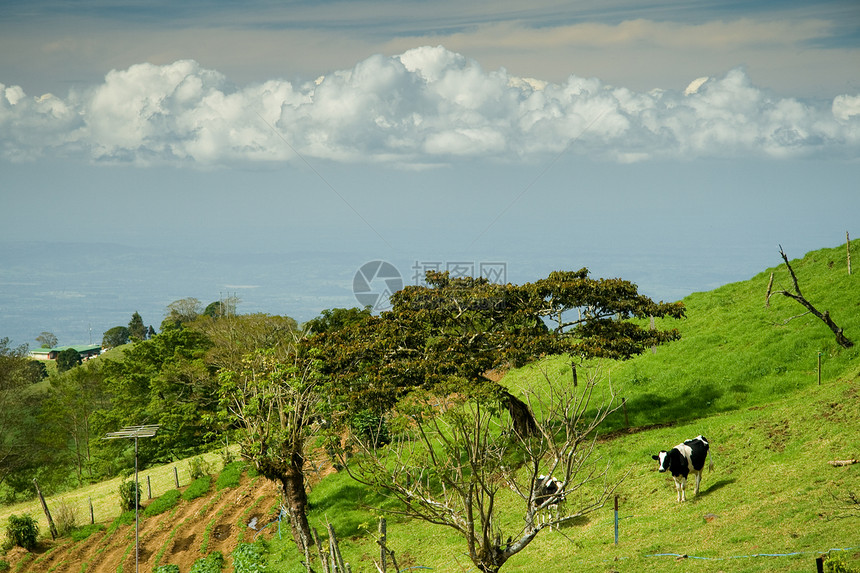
column 682, row 460
column 549, row 495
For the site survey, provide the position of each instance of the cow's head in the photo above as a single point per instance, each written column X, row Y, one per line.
column 663, row 458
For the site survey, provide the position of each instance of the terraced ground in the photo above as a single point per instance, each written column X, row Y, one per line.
column 191, row 530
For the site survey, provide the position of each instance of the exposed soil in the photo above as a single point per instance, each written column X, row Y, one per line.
column 218, row 522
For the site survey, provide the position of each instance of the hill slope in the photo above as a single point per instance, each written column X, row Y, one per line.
column 744, row 374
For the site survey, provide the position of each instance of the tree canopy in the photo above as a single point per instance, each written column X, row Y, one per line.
column 116, row 336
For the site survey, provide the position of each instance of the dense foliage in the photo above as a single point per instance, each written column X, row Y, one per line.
column 22, row 531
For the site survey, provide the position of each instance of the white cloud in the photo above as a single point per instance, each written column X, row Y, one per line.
column 426, row 104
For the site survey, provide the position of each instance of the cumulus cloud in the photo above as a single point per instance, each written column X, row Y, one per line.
column 425, row 106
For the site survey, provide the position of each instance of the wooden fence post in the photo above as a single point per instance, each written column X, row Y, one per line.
column 92, row 513
column 848, row 250
column 819, row 564
column 149, row 487
column 616, row 520
column 819, row 369
column 51, row 525
column 383, row 530
column 176, row 476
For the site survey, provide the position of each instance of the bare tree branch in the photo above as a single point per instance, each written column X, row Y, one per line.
column 461, row 456
column 841, row 339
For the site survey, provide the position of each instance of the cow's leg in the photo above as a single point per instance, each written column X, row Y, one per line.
column 679, row 487
column 698, row 480
column 683, row 489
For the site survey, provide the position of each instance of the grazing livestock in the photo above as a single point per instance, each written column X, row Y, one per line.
column 682, row 460
column 549, row 494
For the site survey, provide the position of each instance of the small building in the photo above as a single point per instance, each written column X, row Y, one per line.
column 86, row 351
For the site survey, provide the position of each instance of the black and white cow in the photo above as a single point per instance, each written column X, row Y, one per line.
column 549, row 494
column 682, row 460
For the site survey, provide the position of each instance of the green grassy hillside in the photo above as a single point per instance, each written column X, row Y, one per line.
column 745, row 375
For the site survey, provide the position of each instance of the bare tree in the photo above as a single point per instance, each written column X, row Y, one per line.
column 272, row 398
column 841, row 339
column 462, row 456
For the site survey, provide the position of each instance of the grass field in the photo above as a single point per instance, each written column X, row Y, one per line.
column 104, row 496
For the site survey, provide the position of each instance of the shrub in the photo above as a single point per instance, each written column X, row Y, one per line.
column 227, row 456
column 229, row 476
column 198, row 488
column 167, row 501
column 370, row 428
column 212, row 563
column 171, row 568
column 22, row 531
column 198, row 467
column 64, row 518
column 837, row 564
column 127, row 499
column 4, row 565
column 249, row 558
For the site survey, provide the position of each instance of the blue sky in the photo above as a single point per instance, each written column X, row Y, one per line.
column 675, row 144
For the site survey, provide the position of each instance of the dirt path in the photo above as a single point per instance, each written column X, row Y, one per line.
column 217, row 522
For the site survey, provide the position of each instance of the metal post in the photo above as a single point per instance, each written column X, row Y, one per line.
column 136, row 513
column 135, row 432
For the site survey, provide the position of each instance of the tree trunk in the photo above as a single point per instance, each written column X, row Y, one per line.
column 296, row 498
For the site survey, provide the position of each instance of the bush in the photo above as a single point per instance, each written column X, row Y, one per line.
column 370, row 428
column 249, row 558
column 167, row 501
column 127, row 500
column 837, row 564
column 198, row 488
column 171, row 568
column 212, row 563
column 198, row 467
column 4, row 565
column 22, row 531
column 229, row 476
column 64, row 518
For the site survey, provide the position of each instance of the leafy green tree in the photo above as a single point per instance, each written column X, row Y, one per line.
column 163, row 381
column 66, row 418
column 15, row 375
column 447, row 338
column 47, row 340
column 68, row 358
column 136, row 330
column 335, row 319
column 116, row 336
column 213, row 309
column 234, row 337
column 181, row 311
column 38, row 370
column 456, row 330
column 223, row 307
